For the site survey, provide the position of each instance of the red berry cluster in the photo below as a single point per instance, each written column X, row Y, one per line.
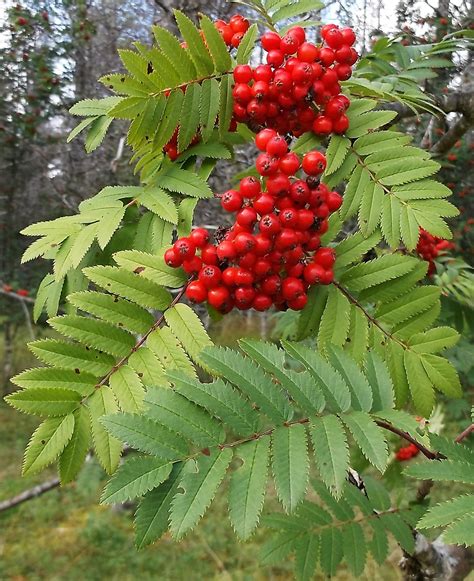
column 282, row 93
column 430, row 246
column 233, row 31
column 407, row 453
column 272, row 254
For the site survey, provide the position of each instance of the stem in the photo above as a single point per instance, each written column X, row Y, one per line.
column 374, row 321
column 141, row 341
column 464, row 434
column 423, row 449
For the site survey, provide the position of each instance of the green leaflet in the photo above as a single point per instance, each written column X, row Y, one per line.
column 290, row 464
column 187, row 327
column 216, row 45
column 189, row 118
column 331, row 550
column 218, row 398
column 113, row 309
column 130, row 285
column 150, row 267
column 334, row 325
column 148, row 367
column 246, row 45
column 250, row 379
column 336, row 153
column 247, row 486
column 355, row 548
column 330, row 452
column 370, row 208
column 50, row 378
column 106, row 447
column 310, row 316
column 75, row 452
column 94, row 333
column 127, row 389
column 200, row 481
column 447, row 512
column 185, row 182
column 352, row 248
column 47, row 442
column 307, row 551
column 369, row 437
column 146, row 435
column 160, row 203
column 380, row 381
column 209, row 107
column 152, row 516
column 444, row 471
column 169, row 351
column 135, row 477
column 196, row 45
column 44, row 401
column 361, row 392
column 420, row 384
column 299, row 385
column 181, row 416
column 329, row 381
column 72, row 356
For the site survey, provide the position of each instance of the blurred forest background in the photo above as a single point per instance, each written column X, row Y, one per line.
column 51, row 54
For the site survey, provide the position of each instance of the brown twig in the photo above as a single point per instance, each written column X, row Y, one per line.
column 464, row 434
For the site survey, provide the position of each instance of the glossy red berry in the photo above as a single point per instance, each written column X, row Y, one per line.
column 199, row 237
column 266, row 164
column 226, row 250
column 291, row 288
column 249, row 187
column 308, row 52
column 348, row 36
column 231, row 201
column 269, row 225
column 278, row 184
column 325, row 257
column 334, row 38
column 314, row 163
column 196, row 292
column 243, row 74
column 275, row 58
column 271, row 40
column 210, row 276
column 262, row 302
column 263, row 137
column 219, row 297
column 172, row 258
column 322, row 125
column 192, row 265
column 289, row 163
column 244, row 296
column 184, row 248
column 277, row 146
column 334, row 201
column 299, row 302
column 247, row 216
column 244, row 242
column 243, row 277
column 264, row 204
column 313, row 272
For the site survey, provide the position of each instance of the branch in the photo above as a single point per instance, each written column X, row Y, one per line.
column 29, row 494
column 464, row 434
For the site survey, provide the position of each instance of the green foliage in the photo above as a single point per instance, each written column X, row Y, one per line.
column 455, row 515
column 333, row 528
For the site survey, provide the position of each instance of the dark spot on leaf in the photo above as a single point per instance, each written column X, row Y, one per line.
column 140, row 374
column 77, row 371
column 43, row 442
column 206, row 452
column 122, row 80
column 139, row 269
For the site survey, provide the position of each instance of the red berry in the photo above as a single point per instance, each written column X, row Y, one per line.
column 263, row 137
column 327, row 277
column 289, row 163
column 228, row 276
column 172, row 258
column 299, row 191
column 343, row 54
column 325, row 257
column 219, row 298
column 244, row 242
column 262, row 268
column 260, row 90
column 305, row 219
column 334, row 201
column 262, row 302
column 227, row 33
column 271, row 40
column 199, row 237
column 298, row 32
column 263, row 245
column 322, row 125
column 210, row 276
column 266, row 164
column 243, row 277
column 184, row 248
column 326, row 56
column 264, row 204
column 244, row 296
column 243, row 74
column 308, row 53
column 263, row 73
column 291, row 288
column 343, row 72
column 326, row 28
column 248, row 260
column 269, row 225
column 196, row 292
column 314, row 163
column 231, row 201
column 334, row 38
column 242, row 93
column 257, row 110
column 236, row 39
column 286, row 239
column 302, row 73
column 226, row 250
column 275, row 58
column 209, row 254
column 289, row 218
column 238, row 23
column 282, row 80
column 348, row 36
column 289, row 44
column 246, row 216
column 277, row 146
column 278, row 184
column 249, row 187
column 313, row 272
column 271, row 285
column 192, row 265
column 299, row 302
